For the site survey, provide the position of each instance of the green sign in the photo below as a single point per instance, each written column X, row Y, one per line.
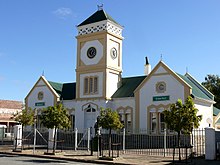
column 40, row 104
column 161, row 98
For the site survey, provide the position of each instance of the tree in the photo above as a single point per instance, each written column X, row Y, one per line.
column 109, row 120
column 212, row 83
column 25, row 117
column 55, row 117
column 182, row 118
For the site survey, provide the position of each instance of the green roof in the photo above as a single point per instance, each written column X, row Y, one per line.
column 56, row 86
column 197, row 89
column 67, row 91
column 99, row 15
column 128, row 86
column 216, row 111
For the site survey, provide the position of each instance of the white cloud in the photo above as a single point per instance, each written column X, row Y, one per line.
column 63, row 12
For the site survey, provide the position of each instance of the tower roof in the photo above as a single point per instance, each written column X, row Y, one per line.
column 99, row 15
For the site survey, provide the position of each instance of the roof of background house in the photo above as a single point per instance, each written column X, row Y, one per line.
column 67, row 91
column 11, row 104
column 99, row 15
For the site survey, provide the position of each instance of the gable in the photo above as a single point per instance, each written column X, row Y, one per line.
column 161, row 69
column 42, row 82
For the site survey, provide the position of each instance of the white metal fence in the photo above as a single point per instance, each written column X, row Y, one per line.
column 138, row 143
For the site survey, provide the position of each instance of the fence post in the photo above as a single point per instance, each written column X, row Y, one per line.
column 210, row 148
column 123, row 140
column 35, row 137
column 18, row 136
column 88, row 138
column 76, row 133
column 165, row 142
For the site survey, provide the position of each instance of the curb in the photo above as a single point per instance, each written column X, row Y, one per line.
column 67, row 159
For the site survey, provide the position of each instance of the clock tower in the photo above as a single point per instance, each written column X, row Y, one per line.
column 99, row 57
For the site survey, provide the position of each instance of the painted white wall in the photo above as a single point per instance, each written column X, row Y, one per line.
column 48, row 98
column 206, row 111
column 70, row 105
column 174, row 90
column 113, row 42
column 80, row 114
column 111, row 84
column 100, row 85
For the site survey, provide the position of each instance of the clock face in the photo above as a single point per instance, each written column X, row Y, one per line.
column 91, row 52
column 113, row 53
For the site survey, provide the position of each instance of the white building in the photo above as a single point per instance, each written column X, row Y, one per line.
column 99, row 83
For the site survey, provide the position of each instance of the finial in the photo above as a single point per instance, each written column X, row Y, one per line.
column 43, row 73
column 161, row 57
column 186, row 69
column 100, row 7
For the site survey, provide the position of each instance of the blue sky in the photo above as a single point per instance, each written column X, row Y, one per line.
column 39, row 35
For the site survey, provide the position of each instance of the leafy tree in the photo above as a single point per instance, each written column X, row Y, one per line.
column 109, row 120
column 212, row 83
column 182, row 118
column 25, row 117
column 55, row 117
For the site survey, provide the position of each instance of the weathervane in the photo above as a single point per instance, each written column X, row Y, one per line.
column 100, row 7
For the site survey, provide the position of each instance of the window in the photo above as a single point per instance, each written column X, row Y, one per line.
column 91, row 85
column 161, row 123
column 157, row 124
column 40, row 96
column 153, row 119
column 72, row 119
column 95, row 84
column 86, row 86
column 125, row 118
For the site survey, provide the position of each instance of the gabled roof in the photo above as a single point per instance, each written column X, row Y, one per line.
column 197, row 88
column 99, row 15
column 66, row 91
column 128, row 85
column 56, row 86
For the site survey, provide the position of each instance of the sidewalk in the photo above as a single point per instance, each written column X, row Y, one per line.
column 127, row 159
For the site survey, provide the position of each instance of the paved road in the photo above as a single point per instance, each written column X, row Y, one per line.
column 23, row 160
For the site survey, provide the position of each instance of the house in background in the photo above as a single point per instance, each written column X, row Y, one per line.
column 140, row 100
column 7, row 110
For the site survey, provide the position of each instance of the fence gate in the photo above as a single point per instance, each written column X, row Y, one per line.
column 84, row 140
